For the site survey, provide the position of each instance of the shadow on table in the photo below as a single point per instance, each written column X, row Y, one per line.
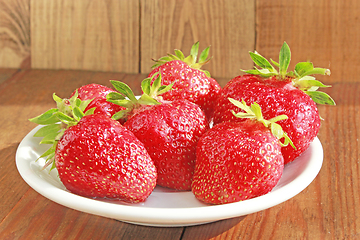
column 211, row 230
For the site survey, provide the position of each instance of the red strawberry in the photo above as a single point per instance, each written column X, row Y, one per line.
column 293, row 94
column 97, row 93
column 170, row 131
column 190, row 82
column 95, row 155
column 91, row 91
column 239, row 160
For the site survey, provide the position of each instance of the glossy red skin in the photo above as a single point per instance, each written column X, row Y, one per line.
column 276, row 97
column 98, row 93
column 170, row 133
column 190, row 84
column 236, row 161
column 92, row 90
column 99, row 158
column 102, row 106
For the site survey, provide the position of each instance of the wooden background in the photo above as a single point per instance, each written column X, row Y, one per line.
column 123, row 35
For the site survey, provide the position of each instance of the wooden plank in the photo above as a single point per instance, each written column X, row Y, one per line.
column 324, row 32
column 14, row 32
column 98, row 35
column 228, row 26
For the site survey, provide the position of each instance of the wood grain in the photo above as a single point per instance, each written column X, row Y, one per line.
column 228, row 26
column 321, row 31
column 326, row 209
column 14, row 32
column 89, row 35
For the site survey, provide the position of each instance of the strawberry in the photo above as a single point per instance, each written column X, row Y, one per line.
column 190, row 82
column 98, row 93
column 239, row 160
column 169, row 130
column 291, row 93
column 95, row 155
column 91, row 91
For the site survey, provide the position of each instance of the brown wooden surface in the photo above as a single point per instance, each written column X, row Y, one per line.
column 326, row 209
column 228, row 26
column 123, row 36
column 90, row 35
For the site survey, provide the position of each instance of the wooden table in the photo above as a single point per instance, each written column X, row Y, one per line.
column 327, row 209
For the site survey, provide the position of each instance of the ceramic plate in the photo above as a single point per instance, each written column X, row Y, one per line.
column 164, row 207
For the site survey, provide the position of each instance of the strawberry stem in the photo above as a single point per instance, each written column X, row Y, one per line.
column 300, row 76
column 190, row 60
column 254, row 112
column 56, row 120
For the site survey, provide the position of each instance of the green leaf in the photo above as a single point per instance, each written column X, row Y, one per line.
column 50, row 138
column 189, row 60
column 49, row 152
column 90, row 111
column 242, row 115
column 256, row 109
column 279, row 133
column 242, row 105
column 320, row 97
column 277, row 130
column 56, row 98
column 306, row 68
column 147, row 100
column 262, row 62
column 179, row 54
column 194, row 52
column 145, row 85
column 156, row 84
column 84, row 104
column 124, row 89
column 65, row 118
column 263, row 72
column 165, row 59
column 48, row 129
column 207, row 73
column 164, row 88
column 172, row 56
column 309, row 82
column 78, row 114
column 278, row 118
column 119, row 115
column 284, row 59
column 204, row 54
column 114, row 96
column 275, row 63
column 302, row 67
column 49, row 117
column 126, row 103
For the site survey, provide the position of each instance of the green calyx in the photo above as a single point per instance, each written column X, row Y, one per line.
column 126, row 98
column 254, row 112
column 56, row 120
column 190, row 60
column 301, row 76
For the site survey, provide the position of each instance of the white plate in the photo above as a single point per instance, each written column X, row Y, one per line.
column 163, row 207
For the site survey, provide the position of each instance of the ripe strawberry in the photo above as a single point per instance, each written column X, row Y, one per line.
column 97, row 93
column 169, row 130
column 190, row 82
column 293, row 94
column 91, row 91
column 95, row 155
column 239, row 160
